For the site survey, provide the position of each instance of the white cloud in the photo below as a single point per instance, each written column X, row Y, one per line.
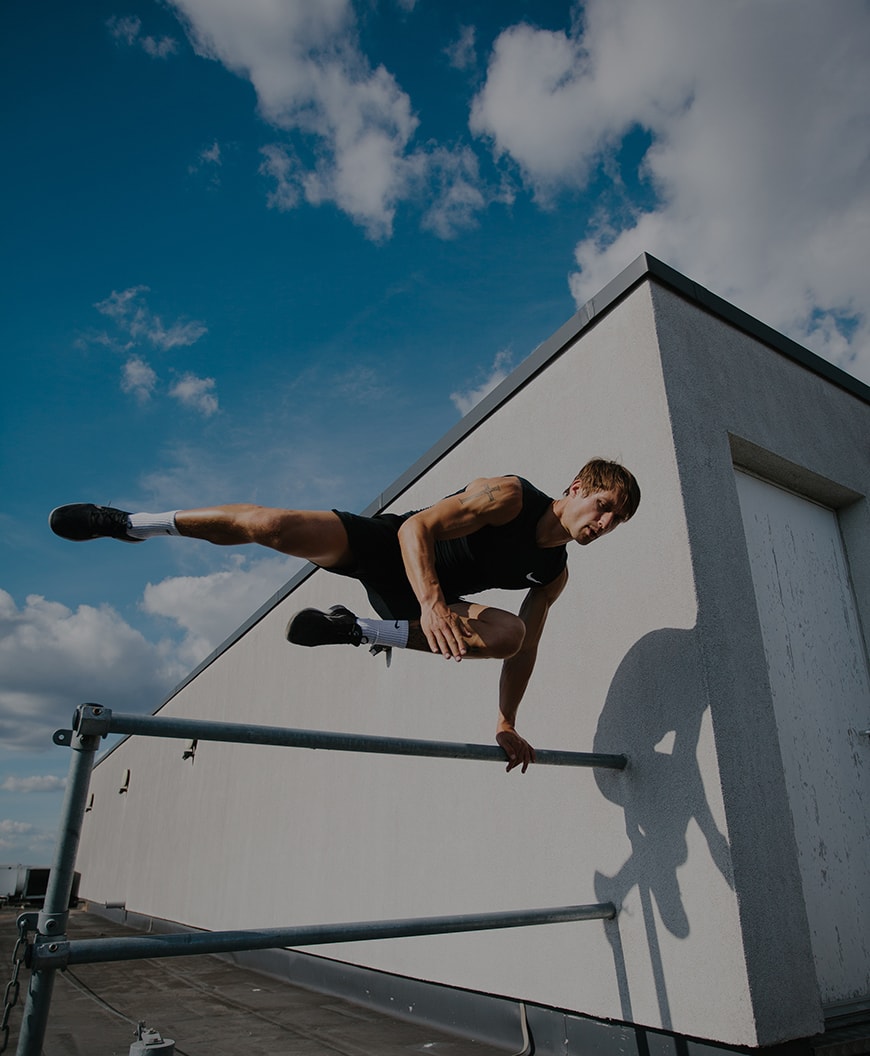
column 211, row 155
column 14, row 828
column 458, row 197
column 535, row 107
column 138, row 379
column 159, row 49
column 759, row 116
column 209, row 162
column 128, row 30
column 197, row 393
column 283, row 167
column 179, row 334
column 45, row 783
column 209, row 608
column 462, row 53
column 128, row 310
column 119, row 305
column 23, row 841
column 54, row 658
column 124, row 27
column 136, row 325
column 310, row 77
column 501, row 367
column 351, row 120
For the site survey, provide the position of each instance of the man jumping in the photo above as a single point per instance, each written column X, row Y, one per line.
column 498, row 532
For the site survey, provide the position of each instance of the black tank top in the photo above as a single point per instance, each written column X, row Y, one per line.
column 504, row 556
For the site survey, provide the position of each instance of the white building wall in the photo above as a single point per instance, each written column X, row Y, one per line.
column 632, row 661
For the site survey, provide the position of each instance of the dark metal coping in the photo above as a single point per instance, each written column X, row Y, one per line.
column 644, row 267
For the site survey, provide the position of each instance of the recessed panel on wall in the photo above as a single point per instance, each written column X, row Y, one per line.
column 821, row 694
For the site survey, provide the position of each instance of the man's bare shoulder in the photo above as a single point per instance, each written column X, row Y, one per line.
column 497, row 499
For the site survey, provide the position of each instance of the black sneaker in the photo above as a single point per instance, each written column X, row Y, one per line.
column 336, row 627
column 82, row 520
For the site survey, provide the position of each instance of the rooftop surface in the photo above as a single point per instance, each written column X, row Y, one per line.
column 209, row 1007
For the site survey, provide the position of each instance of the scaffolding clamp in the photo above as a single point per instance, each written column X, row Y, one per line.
column 49, row 954
column 92, row 719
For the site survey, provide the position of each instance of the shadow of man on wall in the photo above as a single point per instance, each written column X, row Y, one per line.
column 653, row 713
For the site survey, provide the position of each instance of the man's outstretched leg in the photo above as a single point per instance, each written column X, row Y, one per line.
column 315, row 535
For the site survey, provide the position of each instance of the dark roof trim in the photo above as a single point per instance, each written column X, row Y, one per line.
column 642, row 268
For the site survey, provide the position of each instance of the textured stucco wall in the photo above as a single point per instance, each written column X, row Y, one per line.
column 642, row 655
column 733, row 400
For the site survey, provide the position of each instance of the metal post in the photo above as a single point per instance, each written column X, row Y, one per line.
column 99, row 951
column 52, row 921
column 92, row 718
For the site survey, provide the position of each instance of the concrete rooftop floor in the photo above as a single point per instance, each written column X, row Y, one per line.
column 210, row 1007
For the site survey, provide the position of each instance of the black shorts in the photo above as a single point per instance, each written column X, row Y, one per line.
column 377, row 564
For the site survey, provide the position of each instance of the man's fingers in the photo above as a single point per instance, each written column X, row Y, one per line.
column 438, row 641
column 529, row 757
column 457, row 645
column 519, row 752
column 446, row 639
column 516, row 759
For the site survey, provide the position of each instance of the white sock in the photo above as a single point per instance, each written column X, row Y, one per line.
column 146, row 525
column 385, row 632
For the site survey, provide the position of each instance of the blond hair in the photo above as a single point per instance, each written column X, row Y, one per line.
column 601, row 475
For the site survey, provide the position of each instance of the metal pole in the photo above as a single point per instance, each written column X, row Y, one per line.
column 92, row 951
column 53, row 918
column 93, row 718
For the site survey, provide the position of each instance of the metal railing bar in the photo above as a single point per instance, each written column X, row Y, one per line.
column 91, row 951
column 52, row 950
column 96, row 719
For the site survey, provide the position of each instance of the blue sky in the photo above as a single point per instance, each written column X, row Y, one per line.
column 272, row 252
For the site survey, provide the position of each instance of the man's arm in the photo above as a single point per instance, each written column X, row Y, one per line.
column 517, row 670
column 488, row 500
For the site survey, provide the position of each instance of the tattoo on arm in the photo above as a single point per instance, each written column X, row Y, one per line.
column 489, row 491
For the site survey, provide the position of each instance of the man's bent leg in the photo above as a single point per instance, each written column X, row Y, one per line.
column 488, row 633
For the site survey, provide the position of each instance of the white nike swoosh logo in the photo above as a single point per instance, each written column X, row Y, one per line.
column 530, row 577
